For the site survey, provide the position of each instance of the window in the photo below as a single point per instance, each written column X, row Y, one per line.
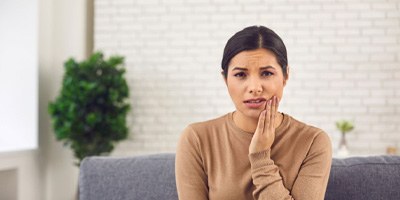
column 18, row 74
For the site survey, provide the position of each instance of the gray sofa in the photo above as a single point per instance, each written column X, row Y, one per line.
column 153, row 177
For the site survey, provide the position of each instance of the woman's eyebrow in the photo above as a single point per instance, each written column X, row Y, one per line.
column 245, row 69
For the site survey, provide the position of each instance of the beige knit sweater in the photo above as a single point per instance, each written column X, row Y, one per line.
column 213, row 162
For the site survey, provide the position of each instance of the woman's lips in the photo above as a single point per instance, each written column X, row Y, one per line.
column 254, row 104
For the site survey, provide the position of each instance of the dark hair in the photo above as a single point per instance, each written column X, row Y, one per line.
column 251, row 38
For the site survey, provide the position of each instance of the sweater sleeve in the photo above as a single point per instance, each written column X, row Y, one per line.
column 191, row 179
column 311, row 181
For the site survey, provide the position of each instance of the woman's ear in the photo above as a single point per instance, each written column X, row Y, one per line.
column 285, row 79
column 223, row 76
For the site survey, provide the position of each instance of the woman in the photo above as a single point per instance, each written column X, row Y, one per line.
column 254, row 152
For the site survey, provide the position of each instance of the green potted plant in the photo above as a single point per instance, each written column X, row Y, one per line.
column 89, row 114
column 344, row 127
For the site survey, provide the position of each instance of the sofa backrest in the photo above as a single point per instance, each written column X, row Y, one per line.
column 372, row 177
column 153, row 177
column 144, row 177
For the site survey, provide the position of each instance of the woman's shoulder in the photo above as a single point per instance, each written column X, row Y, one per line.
column 311, row 137
column 209, row 124
column 307, row 129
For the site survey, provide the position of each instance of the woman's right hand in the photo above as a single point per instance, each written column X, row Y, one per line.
column 264, row 135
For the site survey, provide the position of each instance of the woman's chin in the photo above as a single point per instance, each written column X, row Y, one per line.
column 253, row 114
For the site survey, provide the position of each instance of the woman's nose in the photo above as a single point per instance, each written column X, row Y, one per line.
column 255, row 87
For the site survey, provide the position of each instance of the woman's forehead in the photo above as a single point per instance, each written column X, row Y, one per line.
column 258, row 57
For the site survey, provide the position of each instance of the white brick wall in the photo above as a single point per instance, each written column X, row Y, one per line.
column 344, row 58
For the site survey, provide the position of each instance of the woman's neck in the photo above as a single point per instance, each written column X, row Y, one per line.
column 250, row 124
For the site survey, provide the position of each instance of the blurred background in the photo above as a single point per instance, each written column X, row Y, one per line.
column 344, row 59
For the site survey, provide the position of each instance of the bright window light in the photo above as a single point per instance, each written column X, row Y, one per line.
column 18, row 75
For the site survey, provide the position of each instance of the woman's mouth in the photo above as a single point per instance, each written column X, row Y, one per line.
column 255, row 103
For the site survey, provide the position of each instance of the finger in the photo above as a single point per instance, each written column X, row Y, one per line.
column 273, row 112
column 261, row 122
column 277, row 104
column 268, row 117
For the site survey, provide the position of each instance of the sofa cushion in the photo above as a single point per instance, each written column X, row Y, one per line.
column 360, row 178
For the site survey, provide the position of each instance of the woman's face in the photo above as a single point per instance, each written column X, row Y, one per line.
column 256, row 75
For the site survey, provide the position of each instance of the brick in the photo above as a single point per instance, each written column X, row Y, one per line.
column 205, row 9
column 251, row 8
column 358, row 23
column 329, row 109
column 333, row 40
column 373, row 32
column 342, row 84
column 355, row 57
column 197, row 2
column 390, row 137
column 155, row 10
column 372, row 49
column 295, row 16
column 328, row 93
column 373, row 101
column 387, row 23
column 383, row 57
column 323, row 101
column 348, row 49
column 349, row 101
column 393, row 101
column 282, row 7
column 323, row 32
column 346, row 15
column 308, row 23
column 358, row 40
column 381, row 110
column 172, row 2
column 354, row 110
column 356, row 93
column 391, row 83
column 197, row 17
column 383, row 6
column 334, row 6
column 322, row 49
column 367, row 119
column 384, row 40
column 331, row 76
column 303, row 109
column 230, row 8
column 180, row 9
column 144, row 2
column 358, row 6
column 331, row 58
column 221, row 17
column 372, row 15
column 392, row 48
column 397, row 76
column 369, row 84
column 393, row 14
column 309, row 7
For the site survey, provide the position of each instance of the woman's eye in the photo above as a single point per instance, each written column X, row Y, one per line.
column 240, row 74
column 266, row 73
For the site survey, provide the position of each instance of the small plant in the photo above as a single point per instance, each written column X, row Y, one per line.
column 89, row 115
column 344, row 126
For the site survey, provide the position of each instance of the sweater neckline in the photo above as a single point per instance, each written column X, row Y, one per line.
column 278, row 130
